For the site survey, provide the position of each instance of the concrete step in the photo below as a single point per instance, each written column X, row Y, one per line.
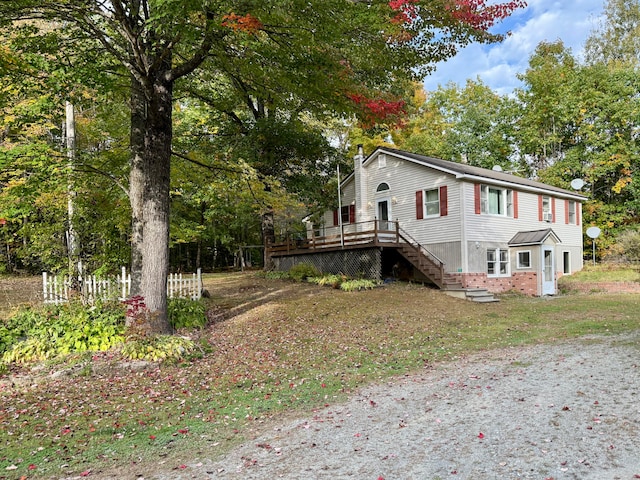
column 478, row 295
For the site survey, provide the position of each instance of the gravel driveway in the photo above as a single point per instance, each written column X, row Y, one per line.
column 565, row 411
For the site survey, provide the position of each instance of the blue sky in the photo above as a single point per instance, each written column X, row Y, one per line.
column 542, row 20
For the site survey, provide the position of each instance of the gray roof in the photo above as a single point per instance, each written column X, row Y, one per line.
column 535, row 237
column 471, row 173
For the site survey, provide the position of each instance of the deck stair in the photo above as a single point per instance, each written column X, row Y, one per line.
column 426, row 263
column 433, row 268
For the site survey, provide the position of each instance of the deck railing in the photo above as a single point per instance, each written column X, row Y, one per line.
column 346, row 236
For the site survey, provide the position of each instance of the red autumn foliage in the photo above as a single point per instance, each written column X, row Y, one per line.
column 375, row 110
column 242, row 23
column 407, row 10
column 481, row 16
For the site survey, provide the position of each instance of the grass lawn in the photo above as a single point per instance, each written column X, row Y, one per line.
column 276, row 348
column 604, row 273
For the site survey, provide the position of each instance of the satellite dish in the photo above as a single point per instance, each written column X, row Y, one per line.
column 496, row 168
column 593, row 232
column 577, row 183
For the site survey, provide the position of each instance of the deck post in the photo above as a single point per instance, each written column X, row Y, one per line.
column 375, row 230
column 397, row 231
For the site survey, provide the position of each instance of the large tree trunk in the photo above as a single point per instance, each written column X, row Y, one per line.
column 136, row 182
column 268, row 236
column 155, row 208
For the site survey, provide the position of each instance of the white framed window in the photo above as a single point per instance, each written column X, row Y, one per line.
column 496, row 201
column 432, row 202
column 571, row 210
column 524, row 259
column 547, row 215
column 498, row 262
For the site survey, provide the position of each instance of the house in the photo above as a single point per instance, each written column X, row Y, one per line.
column 457, row 226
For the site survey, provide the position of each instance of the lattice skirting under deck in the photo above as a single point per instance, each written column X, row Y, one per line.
column 365, row 263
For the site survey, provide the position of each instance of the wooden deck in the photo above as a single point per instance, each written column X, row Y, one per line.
column 375, row 233
column 348, row 238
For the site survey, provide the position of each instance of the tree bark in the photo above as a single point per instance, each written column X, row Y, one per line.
column 155, row 205
column 268, row 236
column 73, row 249
column 136, row 180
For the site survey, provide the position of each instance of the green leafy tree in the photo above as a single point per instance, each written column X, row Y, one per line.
column 545, row 126
column 467, row 124
column 617, row 39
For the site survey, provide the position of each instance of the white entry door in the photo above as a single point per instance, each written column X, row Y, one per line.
column 384, row 215
column 548, row 272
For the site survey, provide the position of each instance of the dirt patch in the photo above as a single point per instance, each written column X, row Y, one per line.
column 564, row 411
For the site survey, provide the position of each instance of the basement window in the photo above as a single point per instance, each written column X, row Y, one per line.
column 498, row 262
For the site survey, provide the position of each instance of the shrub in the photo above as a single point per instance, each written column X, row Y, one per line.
column 629, row 242
column 302, row 271
column 158, row 348
column 35, row 334
column 362, row 284
column 274, row 275
column 186, row 313
column 333, row 280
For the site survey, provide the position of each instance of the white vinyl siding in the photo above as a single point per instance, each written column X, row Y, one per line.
column 405, row 179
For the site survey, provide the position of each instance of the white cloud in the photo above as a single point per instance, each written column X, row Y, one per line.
column 543, row 20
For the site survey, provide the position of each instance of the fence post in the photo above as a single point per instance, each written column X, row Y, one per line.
column 199, row 284
column 45, row 294
column 123, row 272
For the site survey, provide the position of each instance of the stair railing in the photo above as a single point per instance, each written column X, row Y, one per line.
column 404, row 237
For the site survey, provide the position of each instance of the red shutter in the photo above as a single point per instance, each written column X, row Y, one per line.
column 578, row 207
column 515, row 204
column 553, row 209
column 540, row 208
column 444, row 203
column 352, row 214
column 476, row 198
column 566, row 212
column 335, row 218
column 419, row 206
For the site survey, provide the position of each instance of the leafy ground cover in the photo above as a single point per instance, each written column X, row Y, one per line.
column 272, row 347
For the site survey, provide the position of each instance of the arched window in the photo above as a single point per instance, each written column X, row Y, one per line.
column 383, row 187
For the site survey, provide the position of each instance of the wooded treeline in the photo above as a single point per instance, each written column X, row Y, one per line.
column 254, row 104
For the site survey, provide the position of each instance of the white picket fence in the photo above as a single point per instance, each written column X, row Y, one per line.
column 57, row 289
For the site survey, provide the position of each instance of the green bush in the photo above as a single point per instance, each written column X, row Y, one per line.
column 158, row 348
column 275, row 275
column 186, row 313
column 363, row 284
column 334, row 280
column 302, row 271
column 629, row 242
column 35, row 334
